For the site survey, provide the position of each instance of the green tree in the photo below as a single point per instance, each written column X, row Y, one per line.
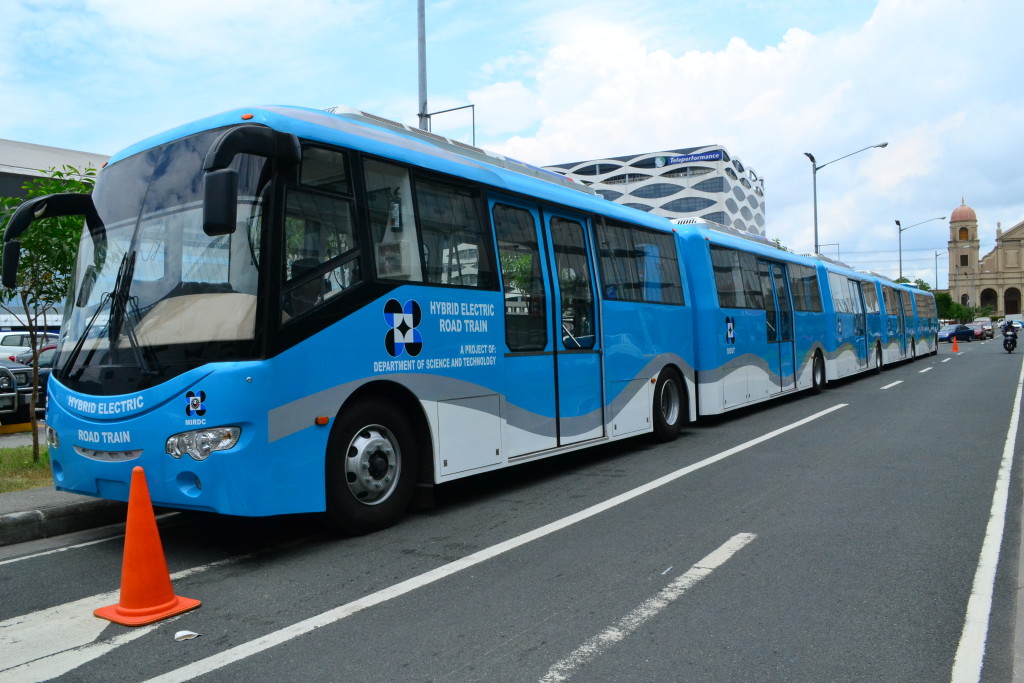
column 48, row 250
column 922, row 285
column 944, row 305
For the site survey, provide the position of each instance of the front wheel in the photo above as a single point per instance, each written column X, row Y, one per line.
column 370, row 467
column 878, row 360
column 669, row 405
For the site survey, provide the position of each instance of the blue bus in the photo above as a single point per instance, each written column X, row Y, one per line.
column 759, row 323
column 768, row 322
column 283, row 310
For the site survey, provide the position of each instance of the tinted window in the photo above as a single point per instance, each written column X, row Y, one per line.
column 638, row 264
column 577, row 296
column 321, row 258
column 806, row 293
column 737, row 278
column 454, row 247
column 519, row 256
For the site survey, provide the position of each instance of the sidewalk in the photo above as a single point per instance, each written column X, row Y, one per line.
column 44, row 512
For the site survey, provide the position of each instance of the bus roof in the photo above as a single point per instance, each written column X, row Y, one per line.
column 388, row 139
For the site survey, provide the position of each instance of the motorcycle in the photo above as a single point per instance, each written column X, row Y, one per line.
column 1010, row 339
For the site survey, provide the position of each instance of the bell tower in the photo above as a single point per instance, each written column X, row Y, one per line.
column 964, row 251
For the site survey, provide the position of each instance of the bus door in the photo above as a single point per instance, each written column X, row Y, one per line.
column 577, row 349
column 528, row 409
column 860, row 326
column 779, row 324
column 902, row 318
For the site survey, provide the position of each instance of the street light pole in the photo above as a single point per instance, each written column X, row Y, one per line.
column 937, row 271
column 814, row 177
column 839, row 256
column 421, row 26
column 901, row 229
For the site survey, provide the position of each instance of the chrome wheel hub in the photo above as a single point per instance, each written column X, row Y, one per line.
column 372, row 464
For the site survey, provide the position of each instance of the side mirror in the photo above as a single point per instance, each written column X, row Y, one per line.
column 220, row 202
column 12, row 252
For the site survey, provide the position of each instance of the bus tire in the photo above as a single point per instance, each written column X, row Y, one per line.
column 669, row 406
column 370, row 466
column 817, row 373
column 877, row 368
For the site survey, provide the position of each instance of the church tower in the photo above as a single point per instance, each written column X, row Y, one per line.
column 964, row 249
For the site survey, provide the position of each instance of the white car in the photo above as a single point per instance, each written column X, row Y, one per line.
column 14, row 343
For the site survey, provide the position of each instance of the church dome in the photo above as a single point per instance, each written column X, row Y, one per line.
column 963, row 213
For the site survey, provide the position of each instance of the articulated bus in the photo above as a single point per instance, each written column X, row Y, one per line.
column 768, row 322
column 282, row 310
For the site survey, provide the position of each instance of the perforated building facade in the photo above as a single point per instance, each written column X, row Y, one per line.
column 696, row 182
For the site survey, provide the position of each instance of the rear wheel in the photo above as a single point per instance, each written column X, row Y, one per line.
column 878, row 360
column 370, row 467
column 817, row 374
column 669, row 405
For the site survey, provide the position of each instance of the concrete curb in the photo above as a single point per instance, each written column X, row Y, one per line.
column 44, row 522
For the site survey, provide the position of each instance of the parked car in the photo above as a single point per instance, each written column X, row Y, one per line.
column 959, row 332
column 978, row 329
column 13, row 343
column 989, row 330
column 47, row 355
column 22, row 375
column 25, row 357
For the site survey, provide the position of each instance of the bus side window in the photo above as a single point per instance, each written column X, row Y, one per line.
column 321, row 259
column 519, row 255
column 392, row 228
column 454, row 248
column 574, row 283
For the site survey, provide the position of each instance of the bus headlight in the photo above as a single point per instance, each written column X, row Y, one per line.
column 200, row 443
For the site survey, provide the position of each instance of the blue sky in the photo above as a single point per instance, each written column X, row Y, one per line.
column 564, row 81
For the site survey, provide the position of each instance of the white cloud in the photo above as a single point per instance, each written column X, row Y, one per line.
column 934, row 79
column 504, row 108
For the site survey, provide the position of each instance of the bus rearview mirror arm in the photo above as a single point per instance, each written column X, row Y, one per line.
column 49, row 206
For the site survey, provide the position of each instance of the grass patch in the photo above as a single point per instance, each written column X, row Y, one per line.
column 18, row 472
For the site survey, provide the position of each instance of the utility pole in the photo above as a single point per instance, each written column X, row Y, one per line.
column 421, row 18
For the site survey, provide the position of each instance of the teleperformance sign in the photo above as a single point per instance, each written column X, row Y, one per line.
column 688, row 158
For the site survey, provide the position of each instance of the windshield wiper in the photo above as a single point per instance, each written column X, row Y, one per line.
column 119, row 297
column 120, row 316
column 85, row 335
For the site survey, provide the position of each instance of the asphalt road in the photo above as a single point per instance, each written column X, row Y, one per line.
column 830, row 537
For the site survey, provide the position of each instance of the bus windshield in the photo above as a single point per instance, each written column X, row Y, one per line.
column 153, row 294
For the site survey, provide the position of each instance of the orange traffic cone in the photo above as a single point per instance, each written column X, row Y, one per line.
column 146, row 592
column 956, row 349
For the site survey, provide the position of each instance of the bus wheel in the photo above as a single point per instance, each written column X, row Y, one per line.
column 817, row 374
column 669, row 405
column 371, row 467
column 878, row 360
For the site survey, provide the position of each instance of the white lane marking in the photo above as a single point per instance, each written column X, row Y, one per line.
column 890, row 386
column 120, row 535
column 55, row 640
column 591, row 649
column 253, row 647
column 60, row 550
column 923, row 371
column 946, row 360
column 970, row 654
